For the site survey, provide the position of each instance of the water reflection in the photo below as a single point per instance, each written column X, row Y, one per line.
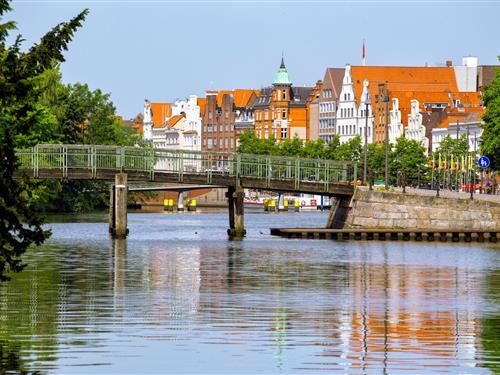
column 202, row 304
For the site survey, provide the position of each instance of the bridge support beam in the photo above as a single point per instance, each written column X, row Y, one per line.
column 338, row 212
column 236, row 229
column 118, row 207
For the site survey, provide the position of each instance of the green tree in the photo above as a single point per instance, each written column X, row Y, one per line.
column 20, row 113
column 291, row 147
column 331, row 147
column 251, row 144
column 350, row 150
column 451, row 146
column 375, row 160
column 314, row 149
column 408, row 160
column 490, row 143
column 74, row 114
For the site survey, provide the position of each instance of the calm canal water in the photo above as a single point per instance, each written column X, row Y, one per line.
column 176, row 296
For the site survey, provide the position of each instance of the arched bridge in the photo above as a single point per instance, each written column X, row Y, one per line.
column 232, row 170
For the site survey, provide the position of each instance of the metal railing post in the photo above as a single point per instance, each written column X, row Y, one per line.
column 238, row 165
column 64, row 161
column 93, row 158
column 181, row 166
column 297, row 174
column 35, row 164
column 268, row 171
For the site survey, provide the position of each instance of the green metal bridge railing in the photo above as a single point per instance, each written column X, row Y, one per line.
column 135, row 159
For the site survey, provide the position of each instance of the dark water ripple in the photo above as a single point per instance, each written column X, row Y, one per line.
column 176, row 296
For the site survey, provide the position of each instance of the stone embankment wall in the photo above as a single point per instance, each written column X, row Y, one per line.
column 381, row 209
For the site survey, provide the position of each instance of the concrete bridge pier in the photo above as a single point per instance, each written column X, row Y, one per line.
column 338, row 212
column 236, row 229
column 118, row 194
column 180, row 202
column 281, row 202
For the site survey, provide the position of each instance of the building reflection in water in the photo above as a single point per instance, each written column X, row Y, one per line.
column 175, row 280
column 376, row 312
column 406, row 312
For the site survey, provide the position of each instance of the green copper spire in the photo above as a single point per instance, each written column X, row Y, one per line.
column 282, row 77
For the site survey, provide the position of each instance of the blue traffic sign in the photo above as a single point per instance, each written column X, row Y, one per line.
column 483, row 162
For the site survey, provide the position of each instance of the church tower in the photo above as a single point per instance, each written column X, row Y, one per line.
column 281, row 101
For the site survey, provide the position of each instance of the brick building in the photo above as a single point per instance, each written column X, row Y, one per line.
column 226, row 115
column 283, row 109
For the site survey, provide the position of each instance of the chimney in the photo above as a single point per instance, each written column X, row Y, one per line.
column 449, row 63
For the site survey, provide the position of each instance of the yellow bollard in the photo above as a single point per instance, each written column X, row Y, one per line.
column 192, row 205
column 272, row 205
column 168, row 205
column 296, row 205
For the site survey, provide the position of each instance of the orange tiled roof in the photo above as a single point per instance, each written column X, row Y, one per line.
column 404, row 78
column 172, row 121
column 470, row 101
column 220, row 96
column 160, row 111
column 190, row 132
column 242, row 96
column 201, row 102
column 453, row 117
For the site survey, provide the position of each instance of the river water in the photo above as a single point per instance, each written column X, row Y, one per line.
column 177, row 296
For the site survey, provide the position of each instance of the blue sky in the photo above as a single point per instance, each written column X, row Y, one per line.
column 163, row 50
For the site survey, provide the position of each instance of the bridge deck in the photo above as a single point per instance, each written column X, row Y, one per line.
column 313, row 176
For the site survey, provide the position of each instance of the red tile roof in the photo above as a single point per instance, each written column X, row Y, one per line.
column 172, row 121
column 403, row 78
column 201, row 102
column 160, row 111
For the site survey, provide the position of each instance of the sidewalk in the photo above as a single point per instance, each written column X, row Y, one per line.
column 445, row 193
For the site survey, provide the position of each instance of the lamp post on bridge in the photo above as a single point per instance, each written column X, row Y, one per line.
column 366, row 137
column 386, row 100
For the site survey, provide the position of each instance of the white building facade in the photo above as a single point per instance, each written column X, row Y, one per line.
column 460, row 128
column 415, row 129
column 351, row 120
column 190, row 132
column 180, row 131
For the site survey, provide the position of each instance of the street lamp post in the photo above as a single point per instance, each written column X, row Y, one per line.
column 474, row 169
column 467, row 158
column 386, row 99
column 366, row 140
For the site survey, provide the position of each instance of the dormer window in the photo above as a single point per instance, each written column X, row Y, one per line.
column 283, row 94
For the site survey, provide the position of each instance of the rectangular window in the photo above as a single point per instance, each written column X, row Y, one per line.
column 284, row 94
column 283, row 114
column 284, row 133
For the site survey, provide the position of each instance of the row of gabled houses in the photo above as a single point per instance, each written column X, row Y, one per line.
column 421, row 103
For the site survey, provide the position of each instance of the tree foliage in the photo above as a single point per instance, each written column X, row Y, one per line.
column 490, row 145
column 452, row 146
column 21, row 115
column 408, row 160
